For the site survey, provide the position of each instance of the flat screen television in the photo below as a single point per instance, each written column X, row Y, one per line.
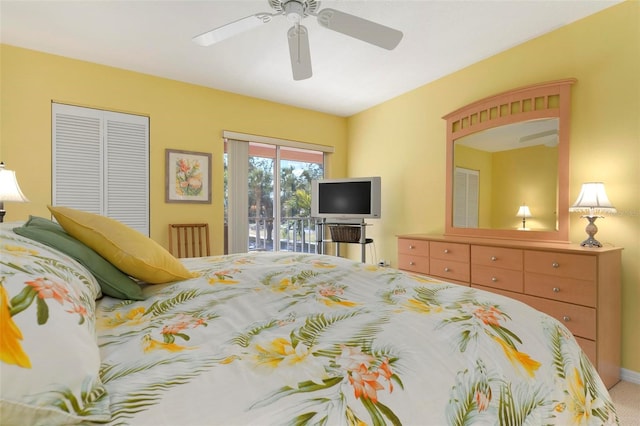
column 346, row 199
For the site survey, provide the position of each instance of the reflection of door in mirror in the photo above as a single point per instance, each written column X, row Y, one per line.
column 519, row 165
column 465, row 197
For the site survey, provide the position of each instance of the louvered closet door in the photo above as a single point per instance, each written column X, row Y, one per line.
column 465, row 201
column 101, row 163
column 77, row 158
column 127, row 165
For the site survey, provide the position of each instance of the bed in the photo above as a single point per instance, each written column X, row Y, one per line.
column 271, row 338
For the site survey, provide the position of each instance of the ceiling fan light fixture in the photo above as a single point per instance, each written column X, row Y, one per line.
column 294, row 11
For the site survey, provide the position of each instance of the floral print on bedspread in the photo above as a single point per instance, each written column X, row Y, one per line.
column 49, row 359
column 307, row 339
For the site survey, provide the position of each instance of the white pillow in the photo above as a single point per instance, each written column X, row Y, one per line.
column 48, row 350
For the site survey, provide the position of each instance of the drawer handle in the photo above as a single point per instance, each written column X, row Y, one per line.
column 555, row 264
column 412, row 263
column 493, row 258
column 556, row 290
column 566, row 318
column 494, row 279
column 446, row 251
column 446, row 269
column 411, row 247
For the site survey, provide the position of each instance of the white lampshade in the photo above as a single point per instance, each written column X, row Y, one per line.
column 524, row 211
column 9, row 188
column 593, row 199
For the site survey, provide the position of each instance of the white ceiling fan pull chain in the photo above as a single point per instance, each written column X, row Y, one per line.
column 298, row 42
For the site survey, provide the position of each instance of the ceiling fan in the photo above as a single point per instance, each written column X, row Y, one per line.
column 297, row 10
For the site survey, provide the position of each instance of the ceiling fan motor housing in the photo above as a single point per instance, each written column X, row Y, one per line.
column 295, row 10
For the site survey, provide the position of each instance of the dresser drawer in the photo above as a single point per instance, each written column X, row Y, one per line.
column 505, row 279
column 580, row 320
column 409, row 262
column 582, row 267
column 497, row 257
column 589, row 348
column 413, row 247
column 449, row 251
column 449, row 269
column 581, row 292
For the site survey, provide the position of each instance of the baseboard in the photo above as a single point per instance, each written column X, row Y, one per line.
column 630, row 376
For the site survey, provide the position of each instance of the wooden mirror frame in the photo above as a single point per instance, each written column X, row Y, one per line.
column 545, row 100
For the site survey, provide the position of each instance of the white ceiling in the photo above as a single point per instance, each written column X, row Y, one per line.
column 513, row 136
column 154, row 37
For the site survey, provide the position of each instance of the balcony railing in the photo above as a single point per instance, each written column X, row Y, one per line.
column 297, row 234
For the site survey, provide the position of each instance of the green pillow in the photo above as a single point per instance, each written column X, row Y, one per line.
column 40, row 222
column 113, row 282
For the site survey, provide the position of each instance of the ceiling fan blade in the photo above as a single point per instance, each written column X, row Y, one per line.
column 299, row 50
column 362, row 29
column 229, row 30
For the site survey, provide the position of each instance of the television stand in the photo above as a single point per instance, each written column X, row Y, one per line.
column 350, row 232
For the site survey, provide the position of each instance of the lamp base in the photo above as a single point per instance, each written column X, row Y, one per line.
column 591, row 230
column 591, row 242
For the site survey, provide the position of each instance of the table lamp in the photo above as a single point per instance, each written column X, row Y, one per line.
column 9, row 189
column 524, row 213
column 592, row 199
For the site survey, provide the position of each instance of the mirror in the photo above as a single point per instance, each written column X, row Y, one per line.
column 498, row 170
column 507, row 165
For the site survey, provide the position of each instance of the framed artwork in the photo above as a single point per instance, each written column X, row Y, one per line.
column 187, row 177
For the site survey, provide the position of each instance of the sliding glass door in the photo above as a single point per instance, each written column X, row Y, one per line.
column 278, row 197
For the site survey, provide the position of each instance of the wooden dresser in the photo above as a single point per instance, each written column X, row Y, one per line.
column 578, row 286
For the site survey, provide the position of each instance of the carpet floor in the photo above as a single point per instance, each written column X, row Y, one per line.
column 626, row 397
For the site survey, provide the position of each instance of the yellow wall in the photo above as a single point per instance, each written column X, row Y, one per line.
column 519, row 178
column 182, row 116
column 403, row 140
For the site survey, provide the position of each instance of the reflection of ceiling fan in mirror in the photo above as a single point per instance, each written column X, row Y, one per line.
column 515, row 135
column 297, row 10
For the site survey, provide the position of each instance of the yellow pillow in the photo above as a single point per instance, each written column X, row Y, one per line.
column 127, row 249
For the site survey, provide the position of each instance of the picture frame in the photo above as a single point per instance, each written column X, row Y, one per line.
column 187, row 176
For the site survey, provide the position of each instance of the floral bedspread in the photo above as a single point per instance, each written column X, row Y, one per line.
column 283, row 338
